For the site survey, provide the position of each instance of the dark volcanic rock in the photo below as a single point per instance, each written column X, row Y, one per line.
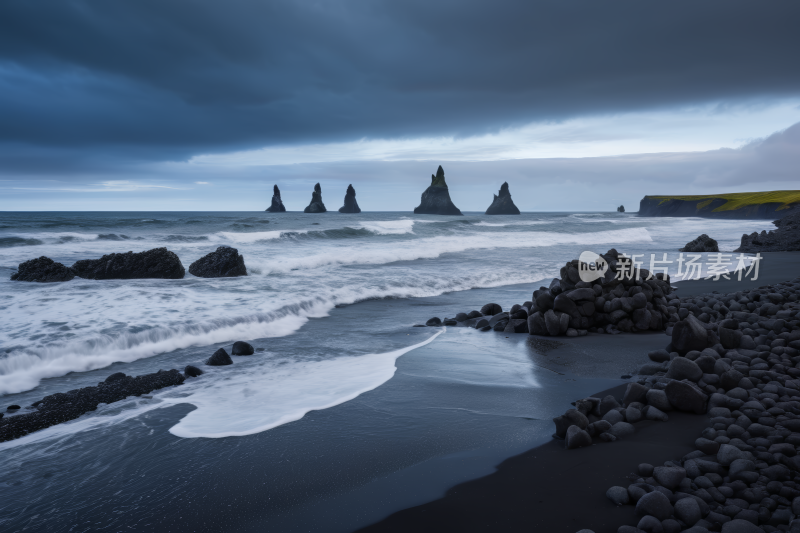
column 316, row 205
column 42, row 270
column 502, row 204
column 703, row 243
column 350, row 204
column 621, row 209
column 156, row 263
column 784, row 239
column 277, row 203
column 220, row 358
column 436, row 198
column 61, row 407
column 225, row 262
column 491, row 309
column 242, row 348
column 192, row 371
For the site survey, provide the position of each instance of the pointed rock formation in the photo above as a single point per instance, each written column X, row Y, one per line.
column 503, row 204
column 436, row 198
column 621, row 209
column 350, row 204
column 316, row 205
column 277, row 204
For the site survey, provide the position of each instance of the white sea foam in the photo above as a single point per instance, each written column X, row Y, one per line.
column 389, row 227
column 519, row 223
column 257, row 399
column 249, row 237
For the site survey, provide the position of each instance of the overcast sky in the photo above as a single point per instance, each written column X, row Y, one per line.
column 579, row 105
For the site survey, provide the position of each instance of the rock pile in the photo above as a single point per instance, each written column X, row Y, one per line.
column 350, row 204
column 61, row 407
column 225, row 262
column 784, row 239
column 316, row 205
column 703, row 243
column 436, row 198
column 277, row 203
column 503, row 204
column 156, row 263
column 741, row 368
column 42, row 270
column 629, row 302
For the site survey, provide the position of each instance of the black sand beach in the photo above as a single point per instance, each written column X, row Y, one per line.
column 550, row 489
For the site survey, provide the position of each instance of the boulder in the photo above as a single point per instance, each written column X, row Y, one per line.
column 687, row 510
column 622, row 429
column 634, row 392
column 684, row 397
column 436, row 198
column 434, row 322
column 682, row 368
column 737, row 525
column 669, row 476
column 158, row 263
column 316, row 205
column 242, row 348
column 42, row 270
column 618, row 495
column 277, row 204
column 654, row 504
column 572, row 417
column 502, row 204
column 516, row 325
column 220, row 358
column 703, row 243
column 491, row 309
column 225, row 262
column 689, row 334
column 577, row 438
column 350, row 204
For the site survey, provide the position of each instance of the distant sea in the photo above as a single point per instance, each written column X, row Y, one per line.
column 345, row 395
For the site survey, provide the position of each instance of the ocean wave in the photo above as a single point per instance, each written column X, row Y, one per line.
column 8, row 242
column 516, row 223
column 22, row 370
column 186, row 238
column 433, row 247
column 112, row 237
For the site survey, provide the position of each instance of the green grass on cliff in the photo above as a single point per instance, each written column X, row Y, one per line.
column 739, row 200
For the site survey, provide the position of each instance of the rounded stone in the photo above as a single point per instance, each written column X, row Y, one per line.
column 655, row 504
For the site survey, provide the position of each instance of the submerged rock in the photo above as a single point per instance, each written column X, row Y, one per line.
column 703, row 243
column 436, row 198
column 502, row 204
column 42, row 270
column 61, row 407
column 350, row 204
column 316, row 205
column 157, row 263
column 277, row 203
column 225, row 262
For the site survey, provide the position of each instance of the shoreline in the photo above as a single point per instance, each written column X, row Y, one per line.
column 548, row 488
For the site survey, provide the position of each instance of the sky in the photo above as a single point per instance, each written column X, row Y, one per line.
column 579, row 105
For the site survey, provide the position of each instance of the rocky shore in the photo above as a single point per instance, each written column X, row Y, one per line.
column 786, row 238
column 63, row 407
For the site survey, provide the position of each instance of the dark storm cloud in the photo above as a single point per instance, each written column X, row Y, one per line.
column 155, row 79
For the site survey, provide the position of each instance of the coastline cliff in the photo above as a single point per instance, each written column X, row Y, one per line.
column 747, row 205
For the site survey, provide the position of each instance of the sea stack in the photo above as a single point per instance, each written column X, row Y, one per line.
column 316, row 205
column 503, row 204
column 436, row 198
column 277, row 204
column 621, row 209
column 350, row 204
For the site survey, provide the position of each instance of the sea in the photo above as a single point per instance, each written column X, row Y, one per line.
column 346, row 413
